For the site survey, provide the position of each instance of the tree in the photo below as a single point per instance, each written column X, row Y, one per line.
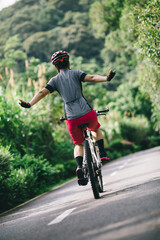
column 148, row 31
column 14, row 54
column 105, row 16
column 80, row 42
column 38, row 45
column 148, row 50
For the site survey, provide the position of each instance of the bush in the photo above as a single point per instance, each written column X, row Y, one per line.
column 154, row 141
column 27, row 176
column 66, row 169
column 119, row 147
column 17, row 187
column 42, row 170
column 5, row 169
column 11, row 126
column 64, row 151
column 134, row 129
column 23, row 130
column 5, row 161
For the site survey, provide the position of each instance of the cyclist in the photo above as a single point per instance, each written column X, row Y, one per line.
column 77, row 110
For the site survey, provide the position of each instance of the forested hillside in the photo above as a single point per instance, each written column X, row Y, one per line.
column 35, row 148
column 45, row 26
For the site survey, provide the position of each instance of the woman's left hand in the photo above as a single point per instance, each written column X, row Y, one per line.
column 111, row 75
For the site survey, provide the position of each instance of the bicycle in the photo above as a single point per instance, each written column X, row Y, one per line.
column 91, row 161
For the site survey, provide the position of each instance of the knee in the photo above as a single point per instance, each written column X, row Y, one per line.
column 96, row 130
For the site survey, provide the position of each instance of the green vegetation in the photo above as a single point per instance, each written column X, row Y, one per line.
column 36, row 151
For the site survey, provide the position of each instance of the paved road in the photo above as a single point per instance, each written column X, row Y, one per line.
column 129, row 209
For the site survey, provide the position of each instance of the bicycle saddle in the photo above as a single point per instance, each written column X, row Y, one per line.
column 84, row 125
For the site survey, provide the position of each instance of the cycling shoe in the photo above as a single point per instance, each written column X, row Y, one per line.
column 82, row 181
column 104, row 158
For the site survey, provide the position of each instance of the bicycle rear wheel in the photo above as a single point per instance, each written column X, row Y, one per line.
column 92, row 171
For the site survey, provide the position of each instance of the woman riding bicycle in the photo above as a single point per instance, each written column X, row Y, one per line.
column 77, row 110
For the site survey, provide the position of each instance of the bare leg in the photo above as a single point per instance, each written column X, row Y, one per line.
column 97, row 135
column 78, row 154
column 78, row 150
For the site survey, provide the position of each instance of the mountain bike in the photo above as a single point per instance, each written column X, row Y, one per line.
column 91, row 161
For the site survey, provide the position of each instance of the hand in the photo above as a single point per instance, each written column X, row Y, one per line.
column 111, row 75
column 24, row 104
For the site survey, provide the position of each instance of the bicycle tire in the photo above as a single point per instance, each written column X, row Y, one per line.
column 100, row 182
column 92, row 173
column 99, row 173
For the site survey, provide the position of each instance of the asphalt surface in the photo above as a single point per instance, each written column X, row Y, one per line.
column 129, row 208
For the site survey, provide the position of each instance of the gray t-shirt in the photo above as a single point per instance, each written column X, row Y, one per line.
column 68, row 84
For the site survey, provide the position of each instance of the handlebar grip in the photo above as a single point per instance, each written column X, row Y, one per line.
column 103, row 111
column 62, row 119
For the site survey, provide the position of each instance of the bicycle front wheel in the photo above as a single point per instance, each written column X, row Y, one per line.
column 92, row 171
column 100, row 181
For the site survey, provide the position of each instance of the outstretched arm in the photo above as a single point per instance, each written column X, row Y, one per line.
column 98, row 78
column 41, row 94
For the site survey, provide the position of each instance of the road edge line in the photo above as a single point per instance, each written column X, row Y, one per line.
column 22, row 204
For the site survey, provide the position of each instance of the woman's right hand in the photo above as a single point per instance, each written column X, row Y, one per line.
column 24, row 104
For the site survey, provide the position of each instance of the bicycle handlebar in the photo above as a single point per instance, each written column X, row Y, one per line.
column 99, row 113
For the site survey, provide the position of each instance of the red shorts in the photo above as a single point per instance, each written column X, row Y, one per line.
column 75, row 132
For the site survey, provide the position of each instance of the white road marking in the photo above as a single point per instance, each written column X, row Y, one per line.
column 122, row 166
column 128, row 160
column 113, row 174
column 61, row 217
